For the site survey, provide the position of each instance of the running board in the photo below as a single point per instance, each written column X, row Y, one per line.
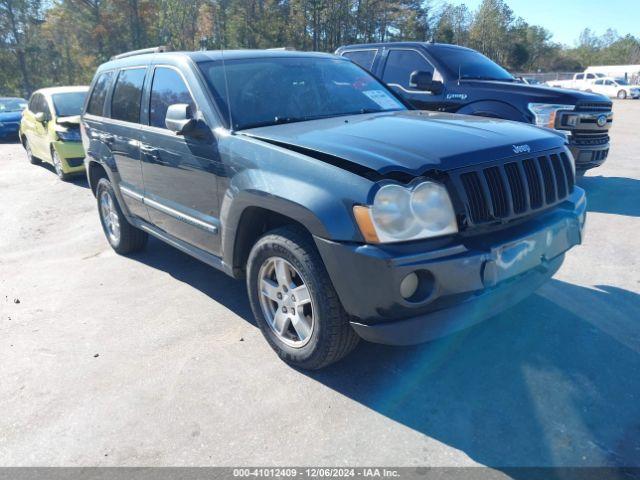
column 205, row 257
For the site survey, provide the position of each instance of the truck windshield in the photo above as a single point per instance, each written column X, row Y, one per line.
column 68, row 104
column 469, row 64
column 270, row 91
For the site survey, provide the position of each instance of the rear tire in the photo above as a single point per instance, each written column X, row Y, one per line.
column 123, row 237
column 314, row 330
column 32, row 160
column 622, row 94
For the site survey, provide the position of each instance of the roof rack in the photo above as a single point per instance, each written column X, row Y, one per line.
column 160, row 49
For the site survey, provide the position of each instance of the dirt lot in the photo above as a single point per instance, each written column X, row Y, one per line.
column 155, row 359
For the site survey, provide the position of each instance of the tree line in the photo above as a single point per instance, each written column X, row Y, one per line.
column 56, row 42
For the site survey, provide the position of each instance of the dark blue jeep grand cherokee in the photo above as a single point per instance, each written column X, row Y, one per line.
column 349, row 214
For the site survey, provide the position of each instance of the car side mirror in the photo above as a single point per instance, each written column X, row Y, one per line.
column 421, row 80
column 40, row 117
column 180, row 119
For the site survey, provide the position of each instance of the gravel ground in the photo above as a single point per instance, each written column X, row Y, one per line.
column 155, row 359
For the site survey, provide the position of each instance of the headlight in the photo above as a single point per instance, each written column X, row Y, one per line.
column 68, row 135
column 399, row 214
column 545, row 113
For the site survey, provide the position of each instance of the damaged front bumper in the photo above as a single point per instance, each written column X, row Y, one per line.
column 462, row 281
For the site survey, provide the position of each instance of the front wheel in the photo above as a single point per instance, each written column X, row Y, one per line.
column 57, row 164
column 294, row 302
column 622, row 94
column 123, row 237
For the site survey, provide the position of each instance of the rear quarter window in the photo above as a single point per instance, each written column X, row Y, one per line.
column 364, row 58
column 99, row 94
column 125, row 104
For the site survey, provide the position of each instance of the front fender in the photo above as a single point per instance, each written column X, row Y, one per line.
column 318, row 195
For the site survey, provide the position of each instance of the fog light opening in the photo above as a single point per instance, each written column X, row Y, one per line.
column 409, row 286
column 418, row 286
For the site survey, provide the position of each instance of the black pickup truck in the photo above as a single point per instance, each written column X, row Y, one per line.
column 450, row 78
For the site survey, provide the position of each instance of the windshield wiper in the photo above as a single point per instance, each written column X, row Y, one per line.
column 285, row 120
column 275, row 121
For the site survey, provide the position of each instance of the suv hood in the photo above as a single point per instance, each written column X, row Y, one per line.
column 536, row 93
column 409, row 141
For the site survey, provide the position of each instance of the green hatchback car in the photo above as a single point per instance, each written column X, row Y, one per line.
column 50, row 129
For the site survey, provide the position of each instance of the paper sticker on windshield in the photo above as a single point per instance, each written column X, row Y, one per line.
column 382, row 98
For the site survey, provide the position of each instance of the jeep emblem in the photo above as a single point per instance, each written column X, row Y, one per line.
column 602, row 120
column 521, row 148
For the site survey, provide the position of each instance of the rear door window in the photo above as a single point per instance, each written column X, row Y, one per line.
column 401, row 64
column 99, row 94
column 364, row 58
column 125, row 104
column 168, row 89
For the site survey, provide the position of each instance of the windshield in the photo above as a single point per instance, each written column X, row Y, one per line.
column 621, row 81
column 12, row 104
column 269, row 91
column 470, row 64
column 68, row 104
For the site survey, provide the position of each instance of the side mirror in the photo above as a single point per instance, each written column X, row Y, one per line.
column 422, row 80
column 180, row 119
column 40, row 117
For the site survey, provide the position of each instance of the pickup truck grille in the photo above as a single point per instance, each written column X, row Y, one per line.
column 588, row 139
column 513, row 189
column 598, row 106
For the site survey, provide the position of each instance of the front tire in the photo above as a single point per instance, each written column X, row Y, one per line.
column 294, row 302
column 57, row 164
column 622, row 94
column 123, row 237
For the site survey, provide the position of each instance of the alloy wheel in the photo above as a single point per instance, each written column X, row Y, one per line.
column 285, row 301
column 110, row 217
column 57, row 164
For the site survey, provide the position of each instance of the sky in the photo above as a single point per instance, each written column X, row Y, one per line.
column 565, row 19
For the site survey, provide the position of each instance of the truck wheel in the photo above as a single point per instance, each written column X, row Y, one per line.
column 294, row 302
column 57, row 164
column 27, row 148
column 123, row 237
column 622, row 94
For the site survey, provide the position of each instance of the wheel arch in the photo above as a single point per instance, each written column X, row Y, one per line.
column 95, row 172
column 493, row 109
column 253, row 223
